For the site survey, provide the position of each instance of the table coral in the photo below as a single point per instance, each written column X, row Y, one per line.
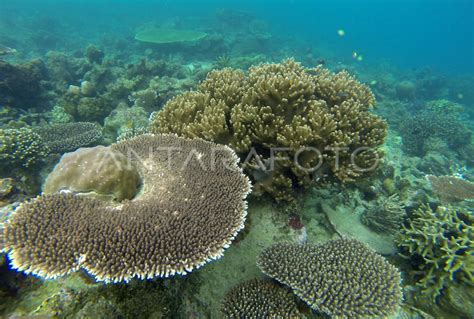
column 65, row 137
column 342, row 278
column 190, row 207
column 284, row 120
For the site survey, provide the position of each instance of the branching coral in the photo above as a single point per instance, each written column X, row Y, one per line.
column 342, row 278
column 283, row 119
column 190, row 207
column 259, row 299
column 22, row 147
column 440, row 242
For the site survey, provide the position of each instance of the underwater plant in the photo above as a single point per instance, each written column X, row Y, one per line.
column 439, row 244
column 342, row 278
column 309, row 114
column 184, row 216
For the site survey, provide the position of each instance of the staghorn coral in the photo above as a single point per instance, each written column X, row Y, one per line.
column 451, row 188
column 440, row 244
column 21, row 147
column 283, row 119
column 65, row 137
column 342, row 278
column 259, row 299
column 99, row 171
column 386, row 216
column 190, row 208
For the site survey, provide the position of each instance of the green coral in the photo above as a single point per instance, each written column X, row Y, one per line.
column 279, row 112
column 21, row 147
column 440, row 241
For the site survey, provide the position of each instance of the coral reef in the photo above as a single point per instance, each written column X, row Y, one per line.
column 439, row 243
column 84, row 108
column 190, row 208
column 419, row 129
column 259, row 299
column 94, row 54
column 66, row 137
column 21, row 147
column 285, row 121
column 99, row 171
column 386, row 216
column 20, row 85
column 342, row 278
column 125, row 121
column 451, row 188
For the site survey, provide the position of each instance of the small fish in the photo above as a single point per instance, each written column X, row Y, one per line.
column 341, row 32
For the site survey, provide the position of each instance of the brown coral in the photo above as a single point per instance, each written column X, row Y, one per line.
column 451, row 188
column 290, row 124
column 97, row 171
column 259, row 299
column 342, row 278
column 191, row 206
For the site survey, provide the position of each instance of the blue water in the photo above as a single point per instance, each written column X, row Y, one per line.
column 410, row 33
